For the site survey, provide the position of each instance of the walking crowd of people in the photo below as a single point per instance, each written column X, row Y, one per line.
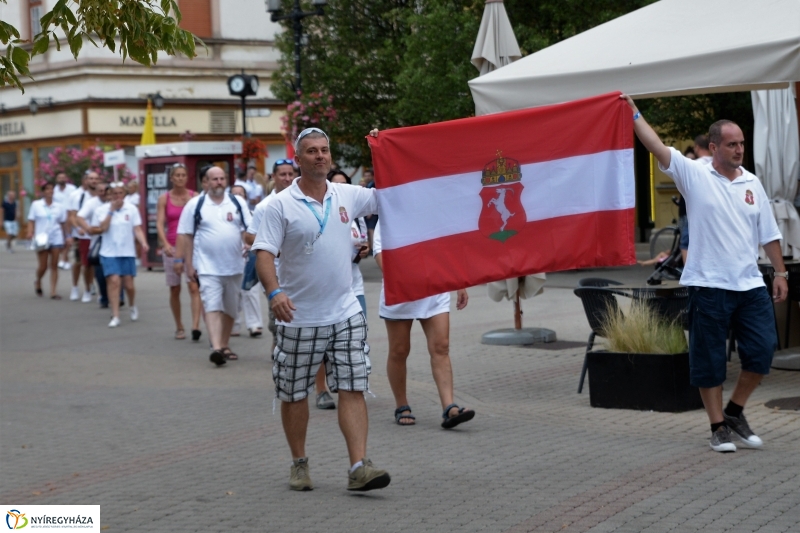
column 300, row 242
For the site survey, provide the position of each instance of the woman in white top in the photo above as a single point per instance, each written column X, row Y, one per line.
column 46, row 220
column 117, row 223
column 433, row 314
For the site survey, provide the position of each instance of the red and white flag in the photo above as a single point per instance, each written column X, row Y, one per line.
column 494, row 197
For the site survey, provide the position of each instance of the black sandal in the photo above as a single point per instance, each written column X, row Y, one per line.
column 464, row 415
column 229, row 354
column 398, row 415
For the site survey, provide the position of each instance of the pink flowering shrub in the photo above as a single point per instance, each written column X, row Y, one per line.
column 75, row 162
column 308, row 110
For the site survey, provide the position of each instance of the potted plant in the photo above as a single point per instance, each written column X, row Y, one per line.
column 646, row 365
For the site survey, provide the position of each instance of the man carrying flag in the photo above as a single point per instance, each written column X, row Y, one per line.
column 730, row 216
column 318, row 316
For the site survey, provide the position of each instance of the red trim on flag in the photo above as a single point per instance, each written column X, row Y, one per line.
column 546, row 133
column 468, row 259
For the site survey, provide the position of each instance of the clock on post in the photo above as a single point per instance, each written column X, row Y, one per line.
column 243, row 85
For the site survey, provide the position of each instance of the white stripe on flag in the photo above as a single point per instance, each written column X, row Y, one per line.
column 439, row 207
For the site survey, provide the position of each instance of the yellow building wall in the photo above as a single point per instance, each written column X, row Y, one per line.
column 662, row 191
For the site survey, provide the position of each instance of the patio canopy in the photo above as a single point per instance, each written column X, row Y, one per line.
column 668, row 48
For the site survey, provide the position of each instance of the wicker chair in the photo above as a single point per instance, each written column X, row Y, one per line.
column 598, row 298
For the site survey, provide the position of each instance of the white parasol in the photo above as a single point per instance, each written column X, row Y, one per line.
column 776, row 151
column 496, row 45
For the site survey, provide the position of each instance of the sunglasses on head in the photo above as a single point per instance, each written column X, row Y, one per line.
column 116, row 185
column 309, row 131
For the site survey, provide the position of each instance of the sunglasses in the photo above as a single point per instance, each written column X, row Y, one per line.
column 116, row 185
column 309, row 131
column 178, row 165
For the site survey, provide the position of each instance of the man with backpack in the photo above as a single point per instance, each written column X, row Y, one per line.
column 210, row 233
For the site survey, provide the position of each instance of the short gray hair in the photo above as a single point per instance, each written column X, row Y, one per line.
column 310, row 133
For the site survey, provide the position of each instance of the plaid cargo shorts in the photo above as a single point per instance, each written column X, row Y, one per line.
column 300, row 351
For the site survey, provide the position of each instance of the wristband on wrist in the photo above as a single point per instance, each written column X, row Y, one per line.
column 637, row 115
column 274, row 293
column 177, row 260
column 784, row 275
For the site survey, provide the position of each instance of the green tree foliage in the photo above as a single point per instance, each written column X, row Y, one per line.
column 391, row 63
column 141, row 28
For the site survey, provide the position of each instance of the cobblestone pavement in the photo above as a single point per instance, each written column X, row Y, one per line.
column 145, row 426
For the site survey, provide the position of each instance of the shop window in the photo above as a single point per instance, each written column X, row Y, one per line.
column 8, row 159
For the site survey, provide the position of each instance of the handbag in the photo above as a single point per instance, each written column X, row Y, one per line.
column 250, row 277
column 41, row 241
column 94, row 251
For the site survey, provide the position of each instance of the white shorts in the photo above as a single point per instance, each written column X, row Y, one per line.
column 11, row 227
column 221, row 293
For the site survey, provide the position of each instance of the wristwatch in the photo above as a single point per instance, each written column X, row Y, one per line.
column 784, row 275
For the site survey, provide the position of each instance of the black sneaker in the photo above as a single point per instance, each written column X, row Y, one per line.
column 741, row 428
column 721, row 440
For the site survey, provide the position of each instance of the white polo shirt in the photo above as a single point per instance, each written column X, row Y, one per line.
column 258, row 213
column 87, row 213
column 118, row 240
column 62, row 197
column 729, row 220
column 318, row 283
column 76, row 200
column 255, row 191
column 218, row 240
column 48, row 218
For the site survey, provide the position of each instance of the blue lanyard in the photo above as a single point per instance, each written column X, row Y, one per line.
column 322, row 221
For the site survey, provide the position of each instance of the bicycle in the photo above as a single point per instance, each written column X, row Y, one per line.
column 666, row 239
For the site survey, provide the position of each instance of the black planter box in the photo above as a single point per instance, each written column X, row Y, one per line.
column 641, row 381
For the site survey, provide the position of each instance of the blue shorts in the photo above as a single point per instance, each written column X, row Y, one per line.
column 712, row 312
column 118, row 266
column 683, row 225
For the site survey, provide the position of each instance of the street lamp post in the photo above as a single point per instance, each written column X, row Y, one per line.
column 296, row 15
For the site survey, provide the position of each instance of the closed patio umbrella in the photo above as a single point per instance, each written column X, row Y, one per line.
column 776, row 152
column 495, row 47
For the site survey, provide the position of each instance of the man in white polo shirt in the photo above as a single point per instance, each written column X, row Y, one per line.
column 211, row 247
column 318, row 316
column 730, row 217
column 76, row 201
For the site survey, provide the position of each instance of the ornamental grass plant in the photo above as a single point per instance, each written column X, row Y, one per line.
column 642, row 330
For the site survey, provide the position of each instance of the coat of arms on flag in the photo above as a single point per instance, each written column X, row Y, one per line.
column 502, row 215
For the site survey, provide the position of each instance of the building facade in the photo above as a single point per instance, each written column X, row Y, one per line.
column 100, row 100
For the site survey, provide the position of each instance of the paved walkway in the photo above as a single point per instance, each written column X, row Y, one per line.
column 146, row 427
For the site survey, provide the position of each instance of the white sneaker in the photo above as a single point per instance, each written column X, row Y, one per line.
column 134, row 313
column 114, row 322
column 75, row 294
column 64, row 265
column 87, row 297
